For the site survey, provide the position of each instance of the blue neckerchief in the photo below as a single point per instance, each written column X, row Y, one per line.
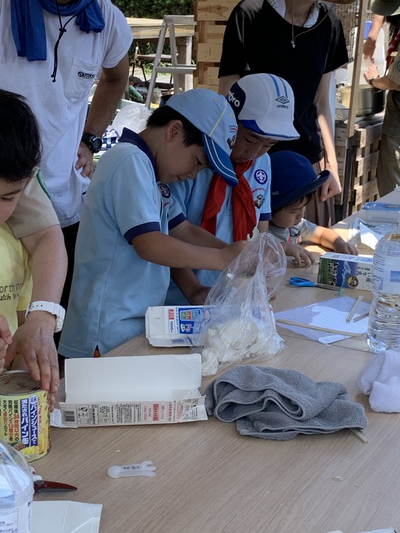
column 129, row 136
column 27, row 23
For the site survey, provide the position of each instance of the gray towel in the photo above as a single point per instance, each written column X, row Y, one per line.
column 279, row 404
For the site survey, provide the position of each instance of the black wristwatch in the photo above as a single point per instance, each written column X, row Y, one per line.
column 93, row 142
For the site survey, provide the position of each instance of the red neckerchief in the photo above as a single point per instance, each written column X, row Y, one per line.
column 244, row 214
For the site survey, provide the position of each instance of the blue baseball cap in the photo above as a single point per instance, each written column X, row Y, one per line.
column 292, row 177
column 214, row 117
column 264, row 104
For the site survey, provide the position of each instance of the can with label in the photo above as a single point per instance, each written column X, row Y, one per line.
column 24, row 414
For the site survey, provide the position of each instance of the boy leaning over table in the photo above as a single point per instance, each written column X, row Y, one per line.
column 132, row 231
column 20, row 152
column 294, row 182
column 264, row 108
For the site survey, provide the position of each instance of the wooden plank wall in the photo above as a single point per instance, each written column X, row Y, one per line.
column 363, row 182
column 211, row 17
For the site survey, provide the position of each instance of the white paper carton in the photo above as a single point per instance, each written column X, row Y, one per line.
column 347, row 271
column 150, row 389
column 173, row 325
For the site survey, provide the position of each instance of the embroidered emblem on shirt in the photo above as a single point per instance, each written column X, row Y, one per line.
column 164, row 189
column 258, row 201
column 261, row 176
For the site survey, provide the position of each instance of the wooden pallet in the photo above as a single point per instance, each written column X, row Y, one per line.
column 211, row 17
column 363, row 182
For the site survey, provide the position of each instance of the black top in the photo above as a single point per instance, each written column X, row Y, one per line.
column 257, row 39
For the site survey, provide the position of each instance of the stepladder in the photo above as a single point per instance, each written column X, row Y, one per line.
column 181, row 68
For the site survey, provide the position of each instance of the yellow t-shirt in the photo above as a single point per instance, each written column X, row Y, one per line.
column 15, row 277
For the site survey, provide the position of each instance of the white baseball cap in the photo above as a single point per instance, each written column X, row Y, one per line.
column 264, row 104
column 213, row 116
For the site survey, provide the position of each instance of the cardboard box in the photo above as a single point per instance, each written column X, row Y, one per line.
column 173, row 325
column 348, row 271
column 382, row 212
column 117, row 391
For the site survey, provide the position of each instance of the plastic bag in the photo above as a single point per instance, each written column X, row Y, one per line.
column 133, row 116
column 241, row 323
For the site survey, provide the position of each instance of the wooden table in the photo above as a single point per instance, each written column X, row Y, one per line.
column 212, row 480
column 148, row 30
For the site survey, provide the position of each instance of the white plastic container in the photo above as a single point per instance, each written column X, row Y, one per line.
column 16, row 491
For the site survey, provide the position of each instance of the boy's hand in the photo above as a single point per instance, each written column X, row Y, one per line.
column 198, row 295
column 342, row 247
column 229, row 253
column 301, row 256
column 5, row 340
column 33, row 343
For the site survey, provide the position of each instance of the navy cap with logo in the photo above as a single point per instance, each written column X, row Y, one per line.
column 292, row 177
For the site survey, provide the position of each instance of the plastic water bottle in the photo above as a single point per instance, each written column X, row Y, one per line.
column 384, row 314
column 16, row 491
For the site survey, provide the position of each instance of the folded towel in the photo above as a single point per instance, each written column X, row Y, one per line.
column 274, row 403
column 380, row 379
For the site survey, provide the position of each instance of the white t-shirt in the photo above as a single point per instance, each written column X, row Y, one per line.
column 61, row 107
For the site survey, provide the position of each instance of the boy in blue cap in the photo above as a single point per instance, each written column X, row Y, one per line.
column 131, row 230
column 264, row 108
column 293, row 186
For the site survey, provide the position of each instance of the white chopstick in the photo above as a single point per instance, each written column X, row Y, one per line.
column 354, row 308
column 360, row 317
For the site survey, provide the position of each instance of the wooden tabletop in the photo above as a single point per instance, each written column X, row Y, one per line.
column 212, row 480
column 149, row 29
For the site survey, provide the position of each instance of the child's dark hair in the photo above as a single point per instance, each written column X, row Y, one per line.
column 20, row 146
column 306, row 199
column 163, row 115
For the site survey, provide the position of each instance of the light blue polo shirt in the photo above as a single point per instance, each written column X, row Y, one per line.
column 112, row 286
column 191, row 196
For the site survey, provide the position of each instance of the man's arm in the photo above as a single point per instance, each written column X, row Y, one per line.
column 332, row 185
column 33, row 340
column 370, row 42
column 384, row 83
column 106, row 99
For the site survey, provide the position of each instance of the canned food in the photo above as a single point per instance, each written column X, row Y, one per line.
column 24, row 414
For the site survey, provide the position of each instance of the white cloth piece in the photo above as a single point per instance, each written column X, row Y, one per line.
column 380, row 379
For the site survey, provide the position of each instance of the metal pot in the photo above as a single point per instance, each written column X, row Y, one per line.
column 369, row 102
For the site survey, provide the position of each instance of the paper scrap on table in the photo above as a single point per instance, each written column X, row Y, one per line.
column 370, row 233
column 65, row 517
column 330, row 314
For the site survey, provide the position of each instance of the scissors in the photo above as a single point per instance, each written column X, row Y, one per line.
column 304, row 282
column 41, row 485
column 51, row 486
